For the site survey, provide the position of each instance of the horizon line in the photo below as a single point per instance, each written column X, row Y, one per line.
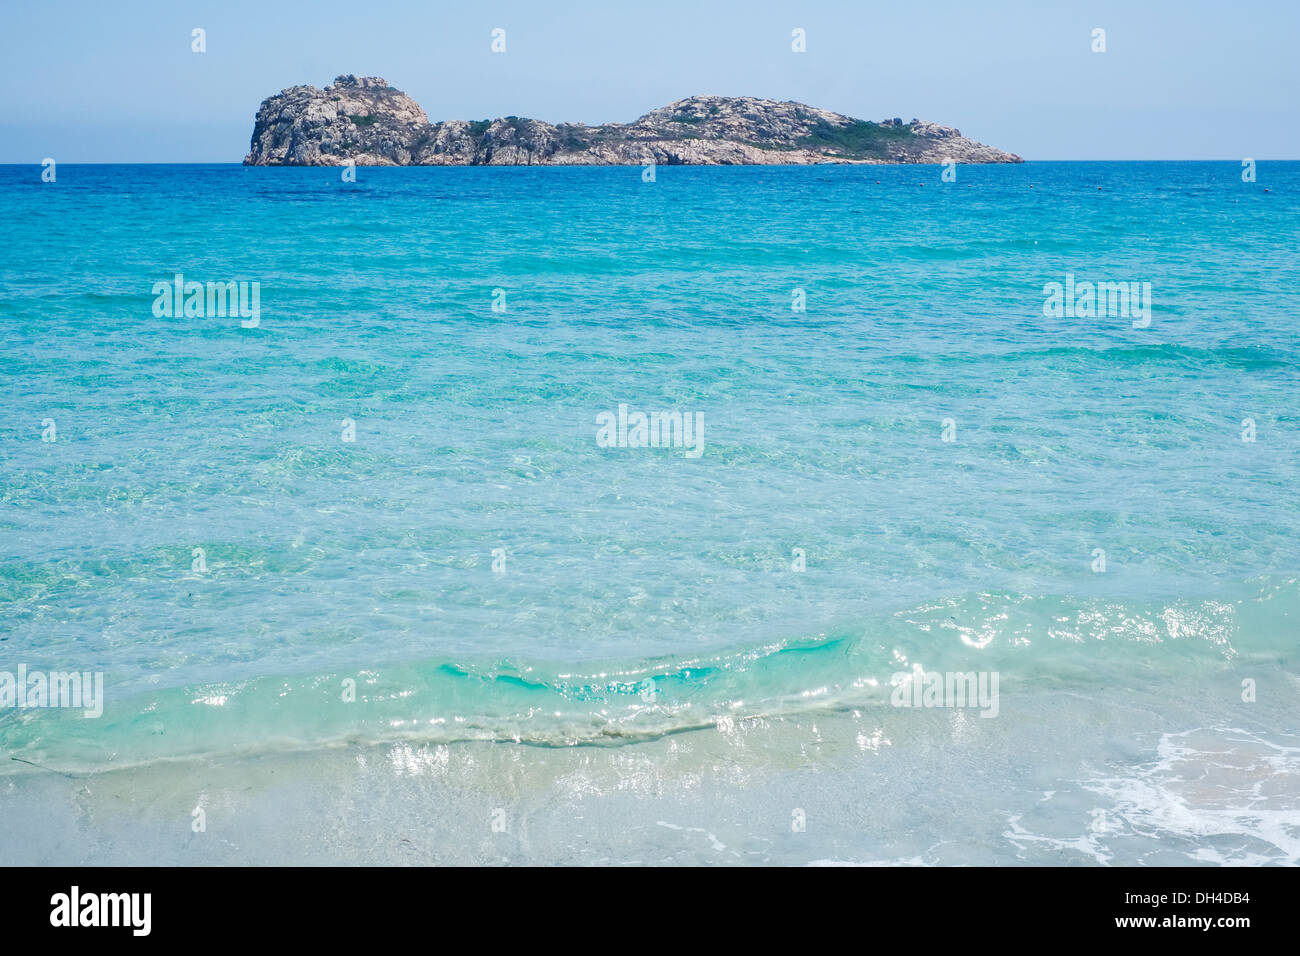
column 1023, row 162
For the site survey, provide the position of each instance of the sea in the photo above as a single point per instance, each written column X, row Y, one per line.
column 816, row 515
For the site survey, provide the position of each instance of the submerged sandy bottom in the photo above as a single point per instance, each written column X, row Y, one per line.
column 1055, row 779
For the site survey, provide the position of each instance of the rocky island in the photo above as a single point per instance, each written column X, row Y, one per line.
column 368, row 122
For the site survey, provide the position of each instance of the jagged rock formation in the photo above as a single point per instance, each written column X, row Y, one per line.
column 364, row 120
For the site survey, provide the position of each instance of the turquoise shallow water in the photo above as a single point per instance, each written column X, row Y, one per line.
column 645, row 592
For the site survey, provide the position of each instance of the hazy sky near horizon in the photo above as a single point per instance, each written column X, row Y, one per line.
column 94, row 81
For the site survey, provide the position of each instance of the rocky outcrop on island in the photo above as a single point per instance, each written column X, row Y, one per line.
column 365, row 121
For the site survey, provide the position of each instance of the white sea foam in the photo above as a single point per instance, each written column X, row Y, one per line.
column 1226, row 796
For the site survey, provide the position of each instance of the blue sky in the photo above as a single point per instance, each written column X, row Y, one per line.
column 98, row 81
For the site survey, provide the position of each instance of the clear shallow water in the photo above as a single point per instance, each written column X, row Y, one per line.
column 476, row 430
